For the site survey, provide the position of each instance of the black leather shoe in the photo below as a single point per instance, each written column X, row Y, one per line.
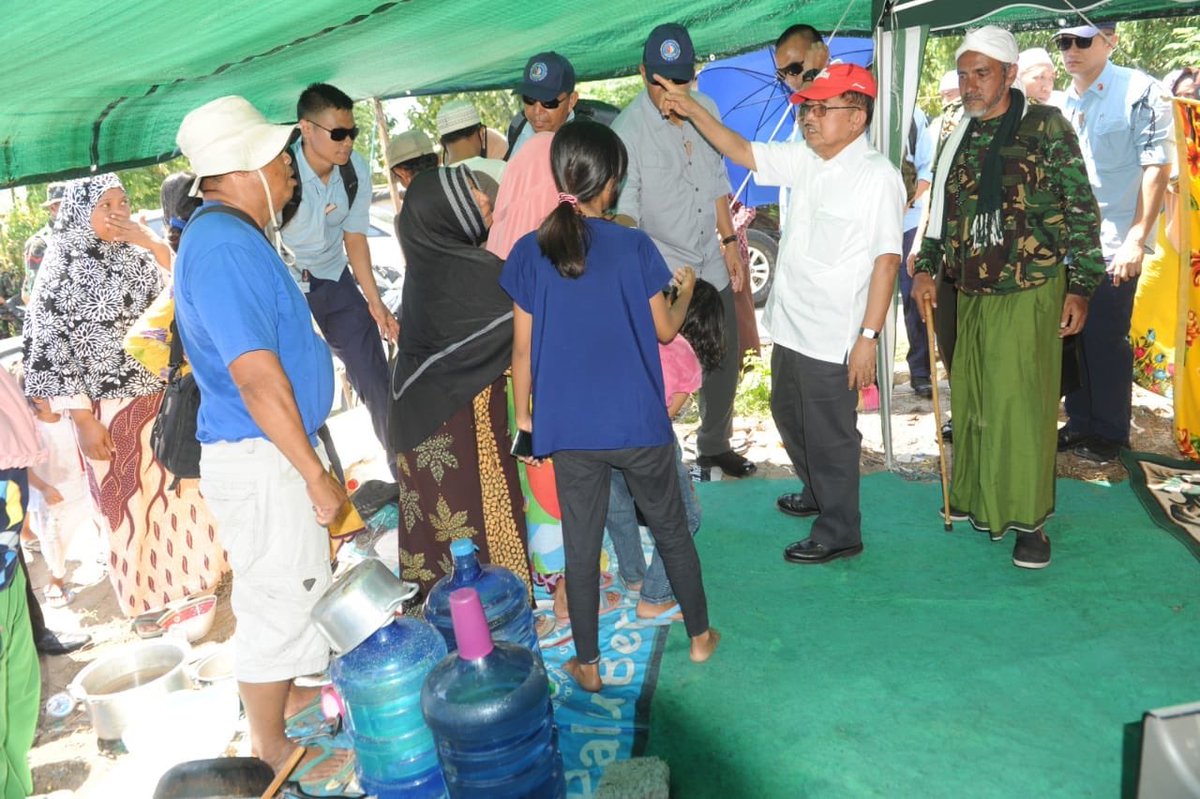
column 794, row 505
column 921, row 386
column 1098, row 450
column 52, row 643
column 1068, row 441
column 948, row 432
column 809, row 551
column 1032, row 550
column 729, row 462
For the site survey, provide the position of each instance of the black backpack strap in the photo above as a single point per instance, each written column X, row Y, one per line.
column 219, row 208
column 349, row 181
column 175, row 359
column 515, row 127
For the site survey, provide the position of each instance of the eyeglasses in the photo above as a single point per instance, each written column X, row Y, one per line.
column 792, row 70
column 818, row 111
column 1063, row 43
column 549, row 105
column 678, row 81
column 338, row 134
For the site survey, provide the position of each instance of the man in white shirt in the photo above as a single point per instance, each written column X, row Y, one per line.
column 837, row 267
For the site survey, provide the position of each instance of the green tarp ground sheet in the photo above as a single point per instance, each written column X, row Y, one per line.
column 929, row 666
column 106, row 85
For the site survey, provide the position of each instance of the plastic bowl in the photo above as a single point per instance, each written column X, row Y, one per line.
column 194, row 617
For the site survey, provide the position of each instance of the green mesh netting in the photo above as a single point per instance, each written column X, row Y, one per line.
column 106, row 85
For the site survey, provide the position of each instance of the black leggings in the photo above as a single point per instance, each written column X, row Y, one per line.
column 584, row 477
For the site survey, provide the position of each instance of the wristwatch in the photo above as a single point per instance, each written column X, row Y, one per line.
column 867, row 332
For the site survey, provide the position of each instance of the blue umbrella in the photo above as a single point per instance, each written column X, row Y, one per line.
column 753, row 102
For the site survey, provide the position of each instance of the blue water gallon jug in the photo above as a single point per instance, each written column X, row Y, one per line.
column 380, row 683
column 502, row 593
column 489, row 708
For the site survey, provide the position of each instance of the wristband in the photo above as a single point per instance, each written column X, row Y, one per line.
column 730, row 239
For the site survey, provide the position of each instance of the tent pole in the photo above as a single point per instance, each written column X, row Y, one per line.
column 381, row 124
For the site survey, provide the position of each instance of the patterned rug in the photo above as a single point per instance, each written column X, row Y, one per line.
column 1169, row 490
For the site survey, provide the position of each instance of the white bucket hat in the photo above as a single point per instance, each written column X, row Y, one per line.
column 229, row 135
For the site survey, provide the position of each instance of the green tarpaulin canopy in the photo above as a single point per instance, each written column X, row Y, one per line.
column 105, row 85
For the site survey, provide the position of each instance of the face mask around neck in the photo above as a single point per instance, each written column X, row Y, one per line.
column 274, row 235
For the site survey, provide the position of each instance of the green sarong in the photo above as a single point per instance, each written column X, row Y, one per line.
column 20, row 678
column 1004, row 402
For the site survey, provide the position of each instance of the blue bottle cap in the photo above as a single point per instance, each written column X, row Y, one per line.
column 462, row 546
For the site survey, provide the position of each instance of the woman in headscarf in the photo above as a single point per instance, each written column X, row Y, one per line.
column 449, row 410
column 101, row 271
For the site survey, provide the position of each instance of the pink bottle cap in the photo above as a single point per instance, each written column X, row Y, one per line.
column 470, row 625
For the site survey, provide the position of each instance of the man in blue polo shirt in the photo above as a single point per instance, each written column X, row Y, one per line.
column 327, row 232
column 266, row 385
column 1124, row 126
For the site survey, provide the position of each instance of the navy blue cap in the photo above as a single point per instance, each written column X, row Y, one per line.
column 669, row 52
column 546, row 76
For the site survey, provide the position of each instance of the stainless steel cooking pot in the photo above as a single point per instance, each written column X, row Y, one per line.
column 117, row 688
column 361, row 601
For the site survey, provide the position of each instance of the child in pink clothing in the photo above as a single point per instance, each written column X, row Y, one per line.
column 698, row 348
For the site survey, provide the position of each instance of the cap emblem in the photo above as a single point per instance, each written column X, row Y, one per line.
column 538, row 72
column 669, row 50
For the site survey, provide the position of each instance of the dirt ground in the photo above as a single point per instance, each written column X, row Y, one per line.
column 67, row 759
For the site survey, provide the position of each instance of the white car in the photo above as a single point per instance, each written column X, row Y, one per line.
column 387, row 259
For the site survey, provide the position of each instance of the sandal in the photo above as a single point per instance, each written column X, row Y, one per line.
column 58, row 597
column 664, row 619
column 309, row 724
column 342, row 783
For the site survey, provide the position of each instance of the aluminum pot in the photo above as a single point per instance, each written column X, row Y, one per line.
column 117, row 688
column 215, row 668
column 361, row 601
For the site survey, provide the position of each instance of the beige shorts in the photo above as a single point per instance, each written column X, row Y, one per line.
column 279, row 555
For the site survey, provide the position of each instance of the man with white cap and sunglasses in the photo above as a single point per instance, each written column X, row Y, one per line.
column 1013, row 220
column 1124, row 124
column 266, row 385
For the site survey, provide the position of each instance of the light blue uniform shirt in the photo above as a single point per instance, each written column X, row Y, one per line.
column 315, row 233
column 1124, row 124
column 923, row 161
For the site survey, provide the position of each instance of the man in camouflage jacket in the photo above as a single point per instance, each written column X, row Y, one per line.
column 1013, row 216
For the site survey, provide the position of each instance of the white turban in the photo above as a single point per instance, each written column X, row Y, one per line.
column 991, row 41
column 949, row 81
column 1033, row 57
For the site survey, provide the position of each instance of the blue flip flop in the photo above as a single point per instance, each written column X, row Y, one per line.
column 342, row 783
column 663, row 619
column 310, row 723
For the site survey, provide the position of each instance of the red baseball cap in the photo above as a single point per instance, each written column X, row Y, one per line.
column 837, row 79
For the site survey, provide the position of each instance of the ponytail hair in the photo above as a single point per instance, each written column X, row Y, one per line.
column 584, row 157
column 704, row 325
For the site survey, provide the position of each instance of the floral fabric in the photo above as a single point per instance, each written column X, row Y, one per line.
column 88, row 293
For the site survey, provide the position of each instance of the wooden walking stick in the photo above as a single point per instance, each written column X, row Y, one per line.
column 937, row 412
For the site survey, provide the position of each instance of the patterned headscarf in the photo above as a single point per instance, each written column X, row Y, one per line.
column 88, row 293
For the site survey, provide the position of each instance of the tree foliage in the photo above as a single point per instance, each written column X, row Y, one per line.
column 1155, row 46
column 496, row 109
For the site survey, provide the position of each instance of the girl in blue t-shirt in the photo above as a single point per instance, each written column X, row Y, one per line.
column 588, row 313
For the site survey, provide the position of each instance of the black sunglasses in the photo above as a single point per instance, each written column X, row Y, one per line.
column 791, row 70
column 679, row 81
column 549, row 105
column 339, row 134
column 1064, row 42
